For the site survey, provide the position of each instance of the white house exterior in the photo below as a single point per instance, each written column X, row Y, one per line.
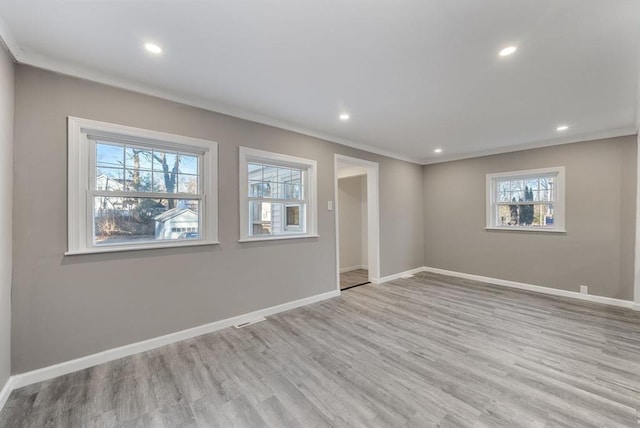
column 170, row 224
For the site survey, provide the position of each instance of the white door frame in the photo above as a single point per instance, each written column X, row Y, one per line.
column 636, row 285
column 373, row 215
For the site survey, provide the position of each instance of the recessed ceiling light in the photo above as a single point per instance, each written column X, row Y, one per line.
column 562, row 128
column 437, row 151
column 344, row 116
column 153, row 48
column 508, row 51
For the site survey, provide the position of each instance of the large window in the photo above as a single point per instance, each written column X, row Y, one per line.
column 132, row 189
column 531, row 200
column 277, row 196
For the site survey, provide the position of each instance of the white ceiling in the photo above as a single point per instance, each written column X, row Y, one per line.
column 414, row 75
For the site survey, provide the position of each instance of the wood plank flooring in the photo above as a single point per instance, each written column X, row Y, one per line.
column 419, row 352
column 354, row 277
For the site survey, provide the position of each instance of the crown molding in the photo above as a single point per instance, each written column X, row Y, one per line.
column 41, row 61
column 22, row 56
column 9, row 43
column 611, row 133
column 86, row 73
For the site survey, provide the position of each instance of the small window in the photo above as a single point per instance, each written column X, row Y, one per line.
column 531, row 200
column 293, row 217
column 133, row 189
column 277, row 196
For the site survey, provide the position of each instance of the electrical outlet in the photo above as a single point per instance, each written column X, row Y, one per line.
column 584, row 289
column 330, row 206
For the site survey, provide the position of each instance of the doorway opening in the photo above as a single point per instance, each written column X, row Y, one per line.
column 357, row 228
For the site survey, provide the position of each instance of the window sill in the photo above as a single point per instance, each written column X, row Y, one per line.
column 526, row 229
column 277, row 238
column 120, row 248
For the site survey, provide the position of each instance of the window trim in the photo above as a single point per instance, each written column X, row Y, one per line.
column 559, row 204
column 247, row 155
column 81, row 132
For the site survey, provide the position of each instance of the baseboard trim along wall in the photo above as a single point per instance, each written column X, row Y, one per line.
column 538, row 288
column 397, row 275
column 6, row 391
column 352, row 268
column 28, row 378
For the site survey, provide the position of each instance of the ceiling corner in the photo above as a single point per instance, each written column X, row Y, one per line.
column 9, row 42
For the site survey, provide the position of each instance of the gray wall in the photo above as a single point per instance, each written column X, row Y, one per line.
column 6, row 199
column 598, row 248
column 350, row 202
column 68, row 307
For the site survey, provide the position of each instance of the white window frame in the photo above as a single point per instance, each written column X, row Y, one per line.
column 557, row 172
column 81, row 132
column 311, row 166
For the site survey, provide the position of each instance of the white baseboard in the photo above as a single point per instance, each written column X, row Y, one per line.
column 6, row 391
column 352, row 268
column 537, row 288
column 397, row 275
column 28, row 378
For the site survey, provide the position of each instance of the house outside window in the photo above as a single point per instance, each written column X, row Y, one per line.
column 277, row 196
column 131, row 188
column 531, row 200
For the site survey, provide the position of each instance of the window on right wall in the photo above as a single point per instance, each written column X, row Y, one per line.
column 531, row 200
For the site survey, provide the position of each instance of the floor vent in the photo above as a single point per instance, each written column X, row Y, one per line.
column 245, row 324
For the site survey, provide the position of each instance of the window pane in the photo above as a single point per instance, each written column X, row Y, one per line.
column 524, row 201
column 517, row 196
column 269, row 173
column 293, row 215
column 529, row 215
column 188, row 183
column 507, row 215
column 136, row 169
column 541, row 195
column 274, row 218
column 260, row 218
column 138, row 181
column 517, row 185
column 275, row 190
column 267, row 181
column 188, row 164
column 292, row 191
column 138, row 158
column 296, row 176
column 261, row 189
column 546, row 215
column 294, row 221
column 109, row 155
column 159, row 183
column 162, row 160
column 257, row 189
column 137, row 220
column 538, row 220
column 109, row 179
column 284, row 175
column 255, row 171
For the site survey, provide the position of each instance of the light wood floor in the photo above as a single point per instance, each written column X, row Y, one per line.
column 354, row 277
column 427, row 351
